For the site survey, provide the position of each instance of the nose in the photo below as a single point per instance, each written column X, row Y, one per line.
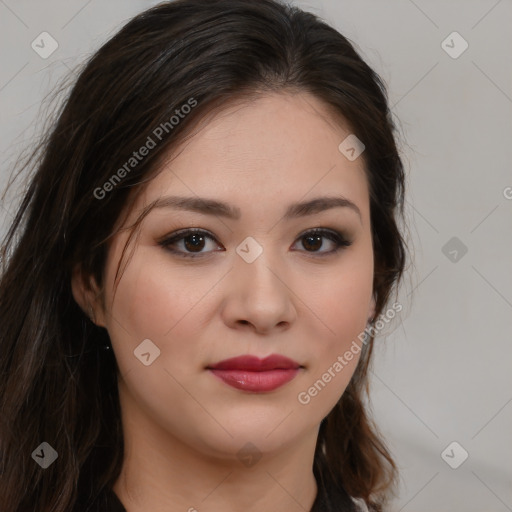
column 259, row 297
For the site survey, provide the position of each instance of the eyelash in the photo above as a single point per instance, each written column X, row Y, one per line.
column 334, row 236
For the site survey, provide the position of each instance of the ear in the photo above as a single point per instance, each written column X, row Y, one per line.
column 87, row 295
column 371, row 311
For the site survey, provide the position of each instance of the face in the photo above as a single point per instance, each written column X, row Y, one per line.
column 259, row 283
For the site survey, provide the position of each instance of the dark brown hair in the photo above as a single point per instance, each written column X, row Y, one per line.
column 56, row 384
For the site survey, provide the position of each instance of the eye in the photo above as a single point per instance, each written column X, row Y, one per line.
column 189, row 243
column 193, row 240
column 312, row 241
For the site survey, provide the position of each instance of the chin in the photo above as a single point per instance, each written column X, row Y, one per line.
column 255, row 439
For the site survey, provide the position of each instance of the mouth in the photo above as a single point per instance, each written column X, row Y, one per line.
column 249, row 373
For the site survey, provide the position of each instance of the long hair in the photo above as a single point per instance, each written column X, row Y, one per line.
column 57, row 385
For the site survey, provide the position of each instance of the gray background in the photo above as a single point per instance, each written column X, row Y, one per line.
column 442, row 371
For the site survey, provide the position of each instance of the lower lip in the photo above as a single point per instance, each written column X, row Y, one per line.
column 256, row 381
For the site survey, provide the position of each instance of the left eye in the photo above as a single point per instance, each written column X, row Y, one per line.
column 313, row 239
column 194, row 240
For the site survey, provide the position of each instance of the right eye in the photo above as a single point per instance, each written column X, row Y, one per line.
column 193, row 240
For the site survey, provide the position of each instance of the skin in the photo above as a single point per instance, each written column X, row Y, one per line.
column 183, row 426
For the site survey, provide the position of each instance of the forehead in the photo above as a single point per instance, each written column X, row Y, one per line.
column 253, row 154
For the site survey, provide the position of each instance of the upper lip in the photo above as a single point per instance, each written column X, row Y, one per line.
column 255, row 364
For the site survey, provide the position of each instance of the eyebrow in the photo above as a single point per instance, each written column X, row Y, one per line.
column 295, row 210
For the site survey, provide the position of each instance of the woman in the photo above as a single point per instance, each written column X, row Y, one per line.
column 190, row 286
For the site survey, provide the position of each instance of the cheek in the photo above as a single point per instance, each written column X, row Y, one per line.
column 155, row 302
column 342, row 299
column 341, row 303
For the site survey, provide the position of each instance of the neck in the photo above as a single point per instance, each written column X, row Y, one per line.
column 164, row 474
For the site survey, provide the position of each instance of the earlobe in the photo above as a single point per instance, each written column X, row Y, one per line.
column 87, row 296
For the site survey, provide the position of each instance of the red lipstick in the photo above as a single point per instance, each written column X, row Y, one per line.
column 250, row 373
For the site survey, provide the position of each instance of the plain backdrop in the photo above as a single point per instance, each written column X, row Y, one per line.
column 443, row 369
